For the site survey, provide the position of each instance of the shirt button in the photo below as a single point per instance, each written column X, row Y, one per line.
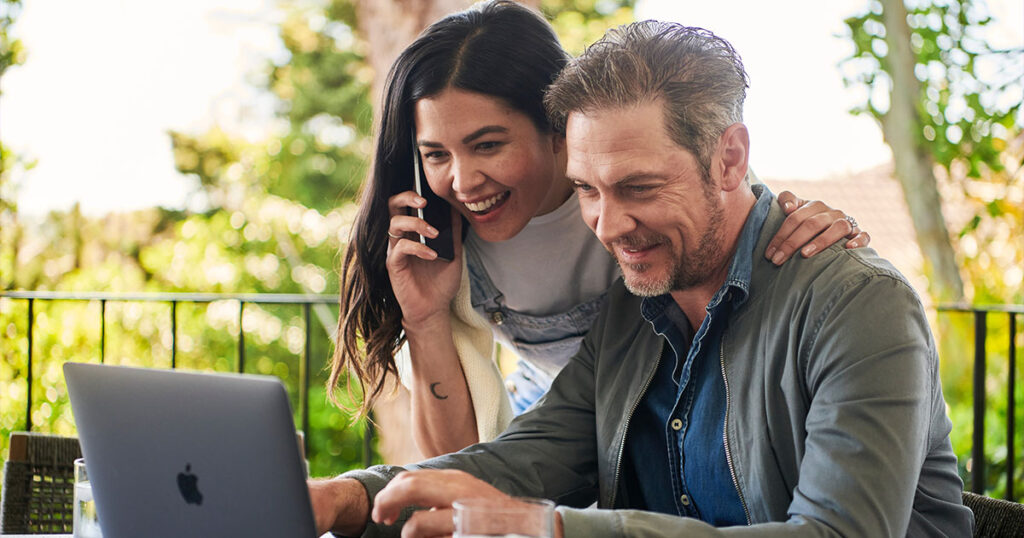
column 677, row 424
column 511, row 386
column 685, row 499
column 498, row 318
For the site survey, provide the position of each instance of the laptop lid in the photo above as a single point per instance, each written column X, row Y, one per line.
column 173, row 453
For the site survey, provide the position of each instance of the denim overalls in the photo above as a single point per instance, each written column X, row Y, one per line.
column 544, row 343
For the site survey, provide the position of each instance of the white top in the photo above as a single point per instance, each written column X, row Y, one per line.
column 552, row 265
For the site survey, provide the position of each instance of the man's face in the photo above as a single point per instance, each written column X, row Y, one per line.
column 646, row 198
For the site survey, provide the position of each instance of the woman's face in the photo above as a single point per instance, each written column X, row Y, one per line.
column 489, row 161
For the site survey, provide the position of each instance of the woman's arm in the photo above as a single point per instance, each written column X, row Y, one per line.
column 443, row 420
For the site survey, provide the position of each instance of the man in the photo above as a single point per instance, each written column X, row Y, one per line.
column 721, row 394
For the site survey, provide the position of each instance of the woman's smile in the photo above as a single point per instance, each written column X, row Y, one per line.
column 489, row 204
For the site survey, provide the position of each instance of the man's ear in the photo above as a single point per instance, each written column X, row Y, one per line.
column 731, row 156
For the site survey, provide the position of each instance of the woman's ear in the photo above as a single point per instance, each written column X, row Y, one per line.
column 732, row 156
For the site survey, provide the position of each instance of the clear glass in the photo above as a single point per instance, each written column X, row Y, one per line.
column 516, row 517
column 86, row 523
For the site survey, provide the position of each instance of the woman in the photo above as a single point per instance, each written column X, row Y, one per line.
column 469, row 92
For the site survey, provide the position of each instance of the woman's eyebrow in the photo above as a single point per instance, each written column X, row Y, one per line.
column 482, row 131
column 468, row 138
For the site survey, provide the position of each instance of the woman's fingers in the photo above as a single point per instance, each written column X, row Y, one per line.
column 810, row 229
column 789, row 202
column 860, row 239
column 823, row 238
column 400, row 249
column 795, row 231
column 402, row 226
column 398, row 203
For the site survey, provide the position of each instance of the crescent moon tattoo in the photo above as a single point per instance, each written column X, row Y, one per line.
column 433, row 390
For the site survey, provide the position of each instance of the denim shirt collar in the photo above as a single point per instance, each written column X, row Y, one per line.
column 738, row 278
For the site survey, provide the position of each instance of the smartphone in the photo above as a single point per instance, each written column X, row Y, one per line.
column 437, row 213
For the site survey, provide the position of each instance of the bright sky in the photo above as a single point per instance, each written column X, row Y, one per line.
column 105, row 80
column 797, row 107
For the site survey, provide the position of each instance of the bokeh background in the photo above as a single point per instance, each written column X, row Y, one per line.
column 219, row 147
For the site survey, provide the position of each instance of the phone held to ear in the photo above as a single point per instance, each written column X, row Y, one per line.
column 437, row 213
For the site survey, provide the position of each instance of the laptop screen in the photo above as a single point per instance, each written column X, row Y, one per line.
column 174, row 453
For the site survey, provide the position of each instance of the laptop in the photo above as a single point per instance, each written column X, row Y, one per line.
column 173, row 453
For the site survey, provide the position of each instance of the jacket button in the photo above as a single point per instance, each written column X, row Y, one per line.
column 685, row 499
column 497, row 318
column 677, row 424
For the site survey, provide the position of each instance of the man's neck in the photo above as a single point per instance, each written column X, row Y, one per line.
column 693, row 301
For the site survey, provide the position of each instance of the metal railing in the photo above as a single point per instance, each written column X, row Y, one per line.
column 981, row 316
column 173, row 299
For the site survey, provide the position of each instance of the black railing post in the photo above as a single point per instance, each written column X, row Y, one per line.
column 174, row 334
column 304, row 372
column 103, row 330
column 28, row 403
column 241, row 338
column 978, row 446
column 1011, row 406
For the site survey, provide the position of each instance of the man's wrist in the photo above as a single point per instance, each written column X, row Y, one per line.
column 351, row 507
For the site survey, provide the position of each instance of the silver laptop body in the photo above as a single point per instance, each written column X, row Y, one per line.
column 176, row 454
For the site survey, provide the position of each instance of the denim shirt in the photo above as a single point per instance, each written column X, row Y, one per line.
column 682, row 413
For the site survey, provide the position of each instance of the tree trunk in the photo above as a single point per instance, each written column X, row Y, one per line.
column 388, row 26
column 914, row 167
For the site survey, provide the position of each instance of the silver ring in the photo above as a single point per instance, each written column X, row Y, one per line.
column 393, row 236
column 852, row 221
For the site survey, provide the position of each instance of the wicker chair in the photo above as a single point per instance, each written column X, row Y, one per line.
column 38, row 487
column 995, row 518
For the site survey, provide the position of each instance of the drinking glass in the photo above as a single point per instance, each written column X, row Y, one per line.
column 517, row 517
column 85, row 524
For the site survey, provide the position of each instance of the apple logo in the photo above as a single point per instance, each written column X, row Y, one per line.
column 188, row 484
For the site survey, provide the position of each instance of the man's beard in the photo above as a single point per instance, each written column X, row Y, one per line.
column 689, row 269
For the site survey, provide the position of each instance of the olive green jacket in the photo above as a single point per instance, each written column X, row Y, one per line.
column 835, row 421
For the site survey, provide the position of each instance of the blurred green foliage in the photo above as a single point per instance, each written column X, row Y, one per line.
column 581, row 22
column 277, row 213
column 970, row 102
column 970, row 122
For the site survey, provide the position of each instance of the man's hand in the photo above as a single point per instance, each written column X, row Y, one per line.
column 339, row 505
column 437, row 490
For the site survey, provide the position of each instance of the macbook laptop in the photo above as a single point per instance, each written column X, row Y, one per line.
column 173, row 453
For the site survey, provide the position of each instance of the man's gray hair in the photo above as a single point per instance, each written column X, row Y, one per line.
column 699, row 76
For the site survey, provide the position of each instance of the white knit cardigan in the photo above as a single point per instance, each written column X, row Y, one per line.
column 474, row 344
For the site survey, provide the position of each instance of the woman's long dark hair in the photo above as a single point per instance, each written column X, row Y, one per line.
column 500, row 49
